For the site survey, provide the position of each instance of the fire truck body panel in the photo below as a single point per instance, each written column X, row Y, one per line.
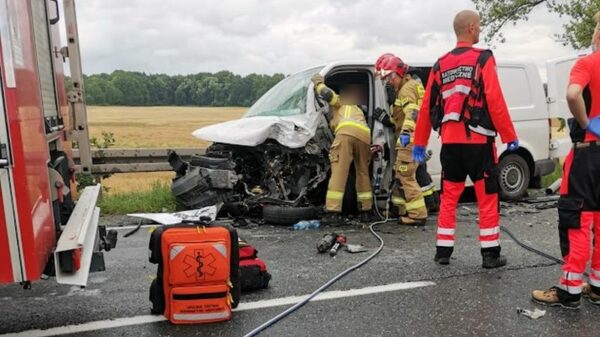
column 33, row 133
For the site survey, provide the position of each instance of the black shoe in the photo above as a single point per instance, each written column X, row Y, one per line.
column 332, row 219
column 442, row 260
column 493, row 261
column 367, row 217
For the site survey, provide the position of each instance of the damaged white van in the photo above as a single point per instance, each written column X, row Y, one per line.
column 273, row 162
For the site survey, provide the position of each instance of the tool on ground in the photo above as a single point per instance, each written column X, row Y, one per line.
column 340, row 241
column 326, row 242
column 322, row 288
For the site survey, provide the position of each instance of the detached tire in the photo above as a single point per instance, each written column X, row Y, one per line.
column 287, row 216
column 514, row 177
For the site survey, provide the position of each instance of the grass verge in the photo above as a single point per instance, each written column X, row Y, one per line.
column 552, row 177
column 156, row 199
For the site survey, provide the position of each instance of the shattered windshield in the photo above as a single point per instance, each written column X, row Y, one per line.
column 287, row 98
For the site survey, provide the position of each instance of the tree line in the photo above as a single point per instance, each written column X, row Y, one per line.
column 203, row 89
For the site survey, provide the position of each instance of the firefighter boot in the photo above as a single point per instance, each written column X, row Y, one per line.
column 332, row 219
column 591, row 293
column 442, row 255
column 404, row 220
column 367, row 217
column 493, row 260
column 556, row 297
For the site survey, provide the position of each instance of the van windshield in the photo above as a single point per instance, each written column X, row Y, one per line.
column 286, row 98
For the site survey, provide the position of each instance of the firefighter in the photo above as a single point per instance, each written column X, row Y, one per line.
column 579, row 203
column 407, row 93
column 350, row 146
column 464, row 103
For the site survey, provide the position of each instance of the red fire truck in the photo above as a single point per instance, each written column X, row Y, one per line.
column 42, row 230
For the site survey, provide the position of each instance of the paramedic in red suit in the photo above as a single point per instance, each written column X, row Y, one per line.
column 579, row 203
column 464, row 103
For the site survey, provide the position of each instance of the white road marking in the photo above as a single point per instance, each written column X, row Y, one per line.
column 276, row 302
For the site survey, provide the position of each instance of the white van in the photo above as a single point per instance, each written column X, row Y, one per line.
column 286, row 129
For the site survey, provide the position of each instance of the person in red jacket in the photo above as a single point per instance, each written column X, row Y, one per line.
column 464, row 103
column 579, row 203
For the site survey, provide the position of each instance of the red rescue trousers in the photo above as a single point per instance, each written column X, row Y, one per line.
column 579, row 214
column 479, row 162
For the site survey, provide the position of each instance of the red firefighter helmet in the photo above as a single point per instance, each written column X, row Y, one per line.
column 388, row 64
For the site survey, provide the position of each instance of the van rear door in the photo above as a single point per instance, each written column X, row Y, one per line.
column 558, row 79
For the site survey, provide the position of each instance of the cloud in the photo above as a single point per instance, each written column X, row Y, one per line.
column 189, row 36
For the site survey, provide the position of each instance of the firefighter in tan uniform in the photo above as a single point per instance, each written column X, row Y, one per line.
column 350, row 146
column 407, row 195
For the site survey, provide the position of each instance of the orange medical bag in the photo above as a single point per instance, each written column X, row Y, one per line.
column 198, row 273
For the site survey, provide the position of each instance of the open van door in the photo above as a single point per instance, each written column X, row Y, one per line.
column 558, row 79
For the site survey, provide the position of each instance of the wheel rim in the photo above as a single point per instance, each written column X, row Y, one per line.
column 512, row 177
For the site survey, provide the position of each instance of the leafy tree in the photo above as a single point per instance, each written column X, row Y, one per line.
column 577, row 31
column 204, row 89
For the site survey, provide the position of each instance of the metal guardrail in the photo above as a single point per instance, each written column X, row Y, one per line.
column 108, row 161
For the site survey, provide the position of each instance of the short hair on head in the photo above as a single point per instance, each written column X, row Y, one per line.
column 597, row 18
column 463, row 19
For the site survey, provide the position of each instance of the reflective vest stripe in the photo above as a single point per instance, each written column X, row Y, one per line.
column 410, row 107
column 419, row 203
column 409, row 124
column 398, row 201
column 489, row 244
column 445, row 231
column 202, row 317
column 458, row 88
column 451, row 116
column 364, row 195
column 335, row 195
column 489, row 231
column 352, row 123
column 445, row 243
column 481, row 130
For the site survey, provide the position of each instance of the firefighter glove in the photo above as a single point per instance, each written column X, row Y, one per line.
column 513, row 146
column 594, row 126
column 382, row 116
column 419, row 154
column 404, row 139
column 317, row 79
column 391, row 93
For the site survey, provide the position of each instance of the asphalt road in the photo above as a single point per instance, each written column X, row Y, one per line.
column 461, row 299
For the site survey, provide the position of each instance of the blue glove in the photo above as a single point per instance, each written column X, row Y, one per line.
column 513, row 146
column 405, row 139
column 594, row 126
column 419, row 153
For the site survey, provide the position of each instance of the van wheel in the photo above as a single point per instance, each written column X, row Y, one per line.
column 514, row 177
column 287, row 215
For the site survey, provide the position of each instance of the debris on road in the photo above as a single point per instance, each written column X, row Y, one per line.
column 353, row 249
column 304, row 225
column 535, row 314
column 207, row 213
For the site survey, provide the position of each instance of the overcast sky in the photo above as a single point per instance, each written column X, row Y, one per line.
column 264, row 36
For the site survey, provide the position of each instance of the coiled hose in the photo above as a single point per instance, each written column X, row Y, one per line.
column 329, row 283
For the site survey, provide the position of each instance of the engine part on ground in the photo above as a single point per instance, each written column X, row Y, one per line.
column 326, row 242
column 288, row 215
column 340, row 241
column 555, row 186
